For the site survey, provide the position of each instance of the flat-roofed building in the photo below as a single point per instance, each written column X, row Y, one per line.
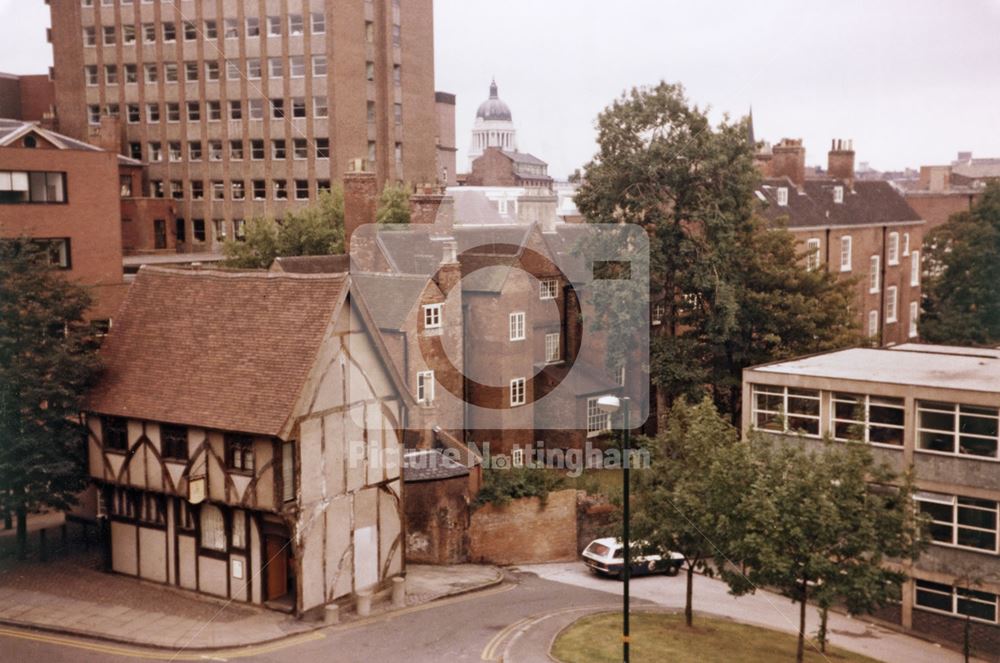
column 935, row 409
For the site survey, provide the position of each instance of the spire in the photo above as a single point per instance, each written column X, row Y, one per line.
column 493, row 89
column 750, row 136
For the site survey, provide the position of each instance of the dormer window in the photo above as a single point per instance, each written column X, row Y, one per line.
column 838, row 194
column 782, row 196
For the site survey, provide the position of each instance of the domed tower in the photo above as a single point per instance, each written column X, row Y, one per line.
column 493, row 127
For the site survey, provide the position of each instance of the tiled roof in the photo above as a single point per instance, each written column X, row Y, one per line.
column 869, row 203
column 11, row 130
column 331, row 264
column 524, row 157
column 390, row 297
column 430, row 465
column 221, row 350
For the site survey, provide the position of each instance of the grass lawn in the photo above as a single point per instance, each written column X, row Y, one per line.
column 658, row 637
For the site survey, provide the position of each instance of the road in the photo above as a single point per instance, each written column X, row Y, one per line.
column 515, row 620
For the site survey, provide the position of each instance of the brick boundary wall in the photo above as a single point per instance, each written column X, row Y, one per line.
column 525, row 531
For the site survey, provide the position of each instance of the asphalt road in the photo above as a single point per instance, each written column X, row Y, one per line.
column 469, row 628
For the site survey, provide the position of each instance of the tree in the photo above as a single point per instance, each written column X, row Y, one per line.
column 962, row 263
column 821, row 524
column 393, row 205
column 782, row 310
column 47, row 361
column 720, row 278
column 314, row 230
column 684, row 504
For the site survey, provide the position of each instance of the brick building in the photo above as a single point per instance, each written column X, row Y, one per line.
column 935, row 409
column 942, row 191
column 498, row 167
column 247, row 109
column 856, row 228
column 65, row 194
column 245, row 438
column 28, row 98
column 447, row 152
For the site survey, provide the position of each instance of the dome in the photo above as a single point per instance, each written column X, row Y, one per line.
column 493, row 108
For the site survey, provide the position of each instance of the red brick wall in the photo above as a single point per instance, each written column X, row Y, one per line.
column 437, row 521
column 38, row 97
column 492, row 169
column 985, row 638
column 90, row 218
column 525, row 531
column 937, row 208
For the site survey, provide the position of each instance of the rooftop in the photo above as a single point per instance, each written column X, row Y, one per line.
column 12, row 130
column 221, row 350
column 911, row 364
column 866, row 203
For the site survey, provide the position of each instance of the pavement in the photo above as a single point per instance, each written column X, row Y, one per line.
column 71, row 597
column 711, row 597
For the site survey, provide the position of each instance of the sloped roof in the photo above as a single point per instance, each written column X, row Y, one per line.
column 869, row 203
column 523, row 157
column 331, row 264
column 221, row 350
column 389, row 297
column 475, row 208
column 430, row 465
column 11, row 130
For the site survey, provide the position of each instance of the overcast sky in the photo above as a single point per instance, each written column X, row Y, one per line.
column 911, row 81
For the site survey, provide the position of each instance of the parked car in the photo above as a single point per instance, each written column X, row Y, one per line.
column 606, row 557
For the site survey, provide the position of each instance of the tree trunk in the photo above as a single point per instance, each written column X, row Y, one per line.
column 801, row 651
column 22, row 533
column 8, row 520
column 689, row 597
column 824, row 613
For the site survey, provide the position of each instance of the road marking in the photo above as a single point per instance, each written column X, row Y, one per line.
column 515, row 630
column 116, row 650
column 489, row 651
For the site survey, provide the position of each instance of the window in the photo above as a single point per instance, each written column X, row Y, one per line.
column 892, row 304
column 874, row 275
column 109, row 35
column 280, row 190
column 517, row 457
column 301, row 189
column 191, row 72
column 273, row 26
column 238, row 529
column 220, row 229
column 288, row 471
column 148, row 33
column 255, row 109
column 517, row 392
column 552, row 353
column 297, row 66
column 169, row 32
column 239, row 229
column 873, row 323
column 260, row 190
column 238, row 189
column 298, row 107
column 151, row 509
column 295, row 25
column 319, row 65
column 89, row 36
column 156, row 151
column 133, row 113
column 965, row 430
column 253, row 68
column 156, row 188
column 838, row 194
column 253, row 26
column 812, row 254
column 782, row 196
column 174, row 442
column 151, row 73
column 177, row 193
column 893, row 249
column 110, row 74
column 915, row 269
column 278, row 150
column 215, row 150
column 197, row 190
column 214, row 110
column 786, row 409
column 914, row 319
column 320, row 108
column 275, row 67
column 90, row 75
column 131, row 74
column 114, row 433
column 432, row 316
column 190, row 31
column 135, row 150
column 517, row 326
column 300, row 148
column 235, row 109
column 318, row 23
column 193, row 111
column 659, row 311
column 906, row 244
column 198, row 229
column 256, row 149
column 180, row 229
column 194, row 150
column 213, row 528
column 869, row 419
column 211, row 29
column 173, row 112
column 322, row 148
column 963, row 522
column 239, row 452
column 845, row 253
column 277, row 109
column 232, row 70
column 980, row 606
column 231, row 28
column 548, row 289
column 125, row 186
column 425, row 387
column 236, row 150
column 598, row 421
column 218, row 190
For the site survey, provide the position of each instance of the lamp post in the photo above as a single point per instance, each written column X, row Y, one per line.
column 611, row 405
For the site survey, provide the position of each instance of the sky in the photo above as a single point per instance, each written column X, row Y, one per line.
column 912, row 82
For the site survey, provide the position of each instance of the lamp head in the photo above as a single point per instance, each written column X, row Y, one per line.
column 609, row 404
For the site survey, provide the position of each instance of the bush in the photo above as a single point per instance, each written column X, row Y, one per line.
column 501, row 485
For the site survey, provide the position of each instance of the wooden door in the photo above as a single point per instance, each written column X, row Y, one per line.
column 276, row 550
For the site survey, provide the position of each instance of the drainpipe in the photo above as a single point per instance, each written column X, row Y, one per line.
column 883, row 287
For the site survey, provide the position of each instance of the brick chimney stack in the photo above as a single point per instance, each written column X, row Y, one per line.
column 840, row 163
column 432, row 206
column 449, row 272
column 788, row 159
column 360, row 197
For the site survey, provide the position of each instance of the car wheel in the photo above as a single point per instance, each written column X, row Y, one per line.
column 673, row 570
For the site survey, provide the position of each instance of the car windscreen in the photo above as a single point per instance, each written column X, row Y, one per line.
column 598, row 549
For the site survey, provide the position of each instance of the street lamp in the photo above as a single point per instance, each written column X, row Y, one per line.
column 611, row 405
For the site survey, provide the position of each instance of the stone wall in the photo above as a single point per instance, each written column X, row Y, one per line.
column 525, row 531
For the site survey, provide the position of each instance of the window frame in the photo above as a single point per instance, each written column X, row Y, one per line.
column 238, row 449
column 846, row 253
column 813, row 245
column 548, row 289
column 875, row 274
column 553, row 351
column 956, row 433
column 955, row 526
column 598, row 421
column 892, row 249
column 516, row 326
column 891, row 305
column 786, row 395
column 425, row 387
column 954, row 596
column 173, row 440
column 121, row 435
column 518, row 392
column 865, row 422
column 433, row 316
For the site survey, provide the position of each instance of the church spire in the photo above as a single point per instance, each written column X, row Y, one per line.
column 750, row 135
column 494, row 93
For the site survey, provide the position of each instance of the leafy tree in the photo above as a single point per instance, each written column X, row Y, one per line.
column 502, row 484
column 722, row 281
column 821, row 524
column 314, row 230
column 47, row 361
column 962, row 262
column 393, row 205
column 684, row 504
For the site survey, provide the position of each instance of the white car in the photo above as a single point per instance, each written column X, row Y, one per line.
column 606, row 557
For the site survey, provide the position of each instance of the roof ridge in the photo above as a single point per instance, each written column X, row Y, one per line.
column 262, row 274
